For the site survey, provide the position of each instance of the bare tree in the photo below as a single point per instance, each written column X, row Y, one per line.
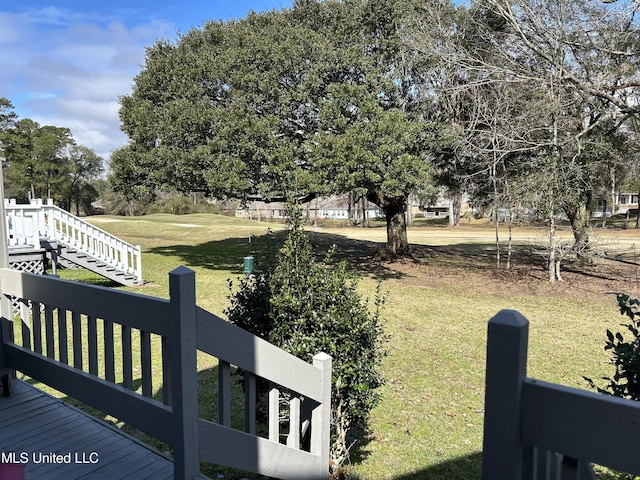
column 545, row 85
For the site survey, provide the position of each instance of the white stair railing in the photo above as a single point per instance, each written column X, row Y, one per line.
column 28, row 223
column 22, row 223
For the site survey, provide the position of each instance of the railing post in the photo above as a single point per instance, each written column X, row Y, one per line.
column 138, row 254
column 6, row 316
column 321, row 416
column 507, row 339
column 182, row 366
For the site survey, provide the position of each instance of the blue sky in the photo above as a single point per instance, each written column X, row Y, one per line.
column 65, row 63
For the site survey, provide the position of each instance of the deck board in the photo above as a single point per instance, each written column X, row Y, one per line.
column 35, row 424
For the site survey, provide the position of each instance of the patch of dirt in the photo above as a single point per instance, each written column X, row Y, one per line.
column 434, row 266
column 473, row 264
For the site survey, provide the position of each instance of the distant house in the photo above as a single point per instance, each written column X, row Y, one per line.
column 261, row 211
column 441, row 207
column 335, row 207
column 624, row 203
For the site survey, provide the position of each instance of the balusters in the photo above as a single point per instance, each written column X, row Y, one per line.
column 48, row 329
column 224, row 393
column 63, row 351
column 249, row 403
column 92, row 340
column 37, row 327
column 145, row 363
column 26, row 324
column 274, row 415
column 109, row 363
column 293, row 439
column 95, row 346
column 76, row 323
column 167, row 377
column 127, row 358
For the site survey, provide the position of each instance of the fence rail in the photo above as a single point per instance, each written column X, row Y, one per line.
column 27, row 224
column 539, row 430
column 92, row 342
column 23, row 224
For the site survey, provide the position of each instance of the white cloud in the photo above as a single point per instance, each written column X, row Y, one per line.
column 68, row 69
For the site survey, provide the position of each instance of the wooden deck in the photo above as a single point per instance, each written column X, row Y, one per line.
column 56, row 441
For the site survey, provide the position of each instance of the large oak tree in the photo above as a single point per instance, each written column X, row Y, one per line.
column 295, row 103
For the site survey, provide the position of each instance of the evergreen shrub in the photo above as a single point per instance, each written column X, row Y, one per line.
column 305, row 306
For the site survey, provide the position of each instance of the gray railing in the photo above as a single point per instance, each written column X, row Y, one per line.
column 539, row 430
column 91, row 342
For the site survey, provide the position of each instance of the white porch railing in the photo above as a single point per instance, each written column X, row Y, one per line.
column 89, row 342
column 23, row 224
column 27, row 224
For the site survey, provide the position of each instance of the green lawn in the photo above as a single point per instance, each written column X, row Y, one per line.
column 429, row 422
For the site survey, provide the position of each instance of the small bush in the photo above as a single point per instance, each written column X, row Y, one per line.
column 305, row 307
column 625, row 354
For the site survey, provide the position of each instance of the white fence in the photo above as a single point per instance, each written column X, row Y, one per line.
column 23, row 224
column 26, row 224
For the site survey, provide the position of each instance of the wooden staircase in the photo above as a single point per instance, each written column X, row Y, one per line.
column 72, row 242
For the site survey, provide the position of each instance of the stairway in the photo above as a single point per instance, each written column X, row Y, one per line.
column 64, row 256
column 71, row 241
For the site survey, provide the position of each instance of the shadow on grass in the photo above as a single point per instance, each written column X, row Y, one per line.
column 468, row 467
column 86, row 276
column 463, row 468
column 228, row 254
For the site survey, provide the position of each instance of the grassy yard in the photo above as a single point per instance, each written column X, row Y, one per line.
column 429, row 423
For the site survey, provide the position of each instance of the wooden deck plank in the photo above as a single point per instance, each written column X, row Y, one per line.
column 37, row 425
column 23, row 423
column 145, row 465
column 41, row 435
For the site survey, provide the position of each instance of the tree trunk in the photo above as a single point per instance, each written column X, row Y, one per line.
column 638, row 217
column 557, row 270
column 397, row 242
column 612, row 192
column 395, row 215
column 510, row 240
column 552, row 248
column 455, row 207
column 496, row 217
column 365, row 223
column 496, row 222
column 579, row 219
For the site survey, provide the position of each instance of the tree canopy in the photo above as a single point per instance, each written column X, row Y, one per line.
column 293, row 103
column 382, row 98
column 46, row 162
